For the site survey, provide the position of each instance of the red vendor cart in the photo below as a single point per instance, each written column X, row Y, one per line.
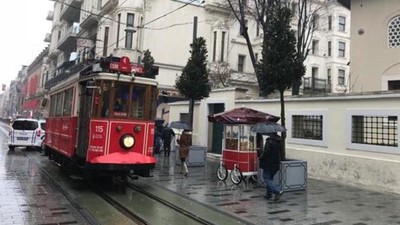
column 239, row 148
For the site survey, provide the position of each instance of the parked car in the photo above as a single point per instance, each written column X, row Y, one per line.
column 26, row 133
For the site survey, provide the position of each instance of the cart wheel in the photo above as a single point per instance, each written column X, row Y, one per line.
column 222, row 172
column 236, row 176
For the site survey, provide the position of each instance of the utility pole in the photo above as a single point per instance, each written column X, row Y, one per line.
column 191, row 101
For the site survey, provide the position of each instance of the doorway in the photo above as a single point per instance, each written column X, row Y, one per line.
column 217, row 129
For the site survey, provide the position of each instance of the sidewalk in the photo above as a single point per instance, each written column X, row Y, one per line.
column 322, row 203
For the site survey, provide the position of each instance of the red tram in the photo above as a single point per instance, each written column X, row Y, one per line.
column 101, row 120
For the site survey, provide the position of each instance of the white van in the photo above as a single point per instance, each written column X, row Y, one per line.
column 26, row 133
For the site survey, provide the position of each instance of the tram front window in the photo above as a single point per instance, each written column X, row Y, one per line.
column 137, row 105
column 120, row 105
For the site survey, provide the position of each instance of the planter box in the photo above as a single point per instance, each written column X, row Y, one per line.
column 197, row 156
column 292, row 176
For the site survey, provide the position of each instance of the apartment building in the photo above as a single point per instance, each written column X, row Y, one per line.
column 84, row 30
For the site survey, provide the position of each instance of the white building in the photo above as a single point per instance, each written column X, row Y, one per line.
column 87, row 29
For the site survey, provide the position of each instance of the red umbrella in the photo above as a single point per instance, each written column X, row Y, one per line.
column 242, row 115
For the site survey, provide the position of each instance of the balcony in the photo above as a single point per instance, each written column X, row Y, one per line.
column 71, row 10
column 107, row 6
column 68, row 41
column 53, row 53
column 90, row 19
column 47, row 38
column 312, row 85
column 50, row 16
column 66, row 70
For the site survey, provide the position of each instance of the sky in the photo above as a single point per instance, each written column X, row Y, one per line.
column 23, row 29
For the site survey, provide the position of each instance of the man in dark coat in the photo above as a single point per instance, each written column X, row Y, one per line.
column 167, row 136
column 270, row 161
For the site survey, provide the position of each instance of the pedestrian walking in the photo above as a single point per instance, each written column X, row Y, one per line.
column 184, row 142
column 167, row 136
column 157, row 141
column 270, row 161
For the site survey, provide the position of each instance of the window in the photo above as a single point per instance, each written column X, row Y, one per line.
column 257, row 29
column 315, row 22
column 105, row 43
column 394, row 33
column 307, row 127
column 329, row 48
column 342, row 23
column 59, row 104
column 67, row 111
column 129, row 31
column 118, row 29
column 394, row 85
column 342, row 49
column 314, row 72
column 315, row 47
column 53, row 105
column 329, row 22
column 374, row 130
column 241, row 61
column 58, row 35
column 223, row 45
column 214, row 46
column 341, row 77
column 329, row 76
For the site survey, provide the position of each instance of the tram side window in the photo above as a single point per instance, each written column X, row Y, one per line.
column 137, row 104
column 68, row 102
column 53, row 100
column 59, row 104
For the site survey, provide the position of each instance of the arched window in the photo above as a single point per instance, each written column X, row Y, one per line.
column 394, row 32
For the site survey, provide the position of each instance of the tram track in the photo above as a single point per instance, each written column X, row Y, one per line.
column 121, row 208
column 135, row 202
column 169, row 204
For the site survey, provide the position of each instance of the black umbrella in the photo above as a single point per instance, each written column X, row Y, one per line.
column 179, row 125
column 268, row 127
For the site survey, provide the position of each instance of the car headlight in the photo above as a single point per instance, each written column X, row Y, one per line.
column 127, row 141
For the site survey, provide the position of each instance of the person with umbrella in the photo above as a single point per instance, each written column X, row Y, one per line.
column 270, row 161
column 167, row 136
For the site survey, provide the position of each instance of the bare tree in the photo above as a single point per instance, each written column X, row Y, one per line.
column 220, row 75
column 306, row 18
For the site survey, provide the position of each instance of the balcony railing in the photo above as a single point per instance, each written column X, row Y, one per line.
column 68, row 41
column 90, row 18
column 66, row 70
column 312, row 85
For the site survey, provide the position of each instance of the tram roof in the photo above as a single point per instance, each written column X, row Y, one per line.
column 120, row 77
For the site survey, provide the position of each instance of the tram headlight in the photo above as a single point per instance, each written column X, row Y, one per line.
column 127, row 141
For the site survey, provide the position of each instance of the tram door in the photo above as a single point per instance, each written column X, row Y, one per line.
column 84, row 120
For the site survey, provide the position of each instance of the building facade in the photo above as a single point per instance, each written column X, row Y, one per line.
column 83, row 31
column 375, row 48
